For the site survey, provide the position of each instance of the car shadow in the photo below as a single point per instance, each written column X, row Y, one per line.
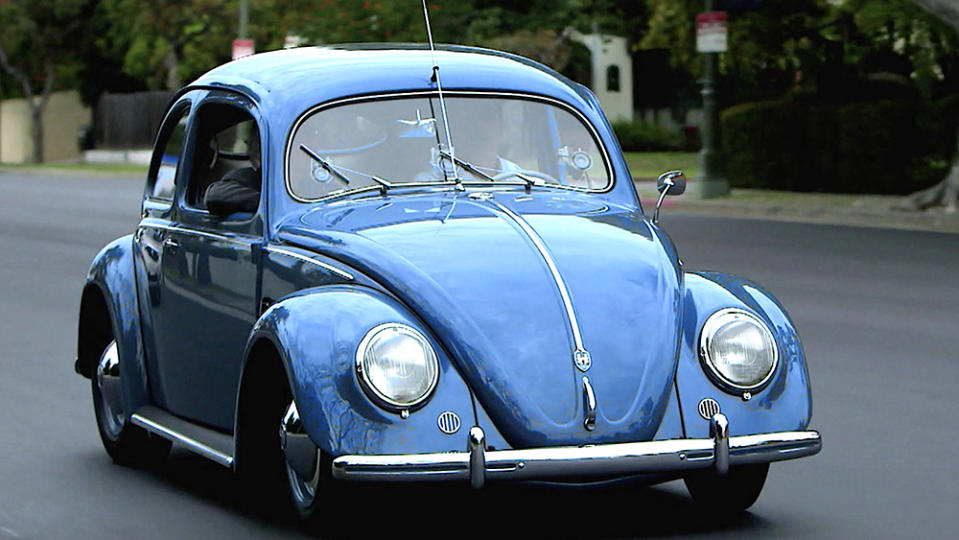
column 441, row 510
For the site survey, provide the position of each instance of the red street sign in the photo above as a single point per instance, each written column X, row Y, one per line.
column 242, row 47
column 711, row 32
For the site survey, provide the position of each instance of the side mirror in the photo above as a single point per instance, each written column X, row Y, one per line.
column 672, row 182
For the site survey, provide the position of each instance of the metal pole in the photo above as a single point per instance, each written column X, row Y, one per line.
column 711, row 181
column 244, row 18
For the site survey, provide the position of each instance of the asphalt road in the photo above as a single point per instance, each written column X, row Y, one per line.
column 876, row 309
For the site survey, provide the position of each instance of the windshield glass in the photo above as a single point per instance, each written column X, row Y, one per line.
column 393, row 141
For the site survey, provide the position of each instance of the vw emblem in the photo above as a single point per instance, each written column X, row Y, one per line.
column 582, row 360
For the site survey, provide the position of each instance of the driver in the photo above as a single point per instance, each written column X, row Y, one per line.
column 239, row 189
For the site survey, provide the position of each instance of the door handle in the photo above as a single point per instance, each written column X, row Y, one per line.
column 171, row 245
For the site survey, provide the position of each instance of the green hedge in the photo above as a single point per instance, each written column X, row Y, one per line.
column 892, row 147
column 641, row 136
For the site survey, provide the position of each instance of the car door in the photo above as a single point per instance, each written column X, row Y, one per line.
column 167, row 165
column 208, row 281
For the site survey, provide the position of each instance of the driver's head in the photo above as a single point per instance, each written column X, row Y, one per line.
column 253, row 147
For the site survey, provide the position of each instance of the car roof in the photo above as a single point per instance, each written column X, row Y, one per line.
column 297, row 79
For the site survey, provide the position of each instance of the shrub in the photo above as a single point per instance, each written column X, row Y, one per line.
column 642, row 136
column 890, row 146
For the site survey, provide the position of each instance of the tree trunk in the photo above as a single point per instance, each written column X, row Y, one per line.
column 946, row 192
column 172, row 64
column 36, row 131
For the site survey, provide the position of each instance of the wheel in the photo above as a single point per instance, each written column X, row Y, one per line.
column 307, row 468
column 282, row 473
column 730, row 494
column 125, row 443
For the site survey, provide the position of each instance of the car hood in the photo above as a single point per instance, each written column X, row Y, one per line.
column 469, row 268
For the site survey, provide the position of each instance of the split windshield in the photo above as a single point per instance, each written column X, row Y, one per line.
column 387, row 142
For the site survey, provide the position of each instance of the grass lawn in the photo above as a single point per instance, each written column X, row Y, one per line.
column 117, row 168
column 649, row 165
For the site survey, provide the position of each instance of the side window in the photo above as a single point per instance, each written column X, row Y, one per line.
column 171, row 142
column 226, row 176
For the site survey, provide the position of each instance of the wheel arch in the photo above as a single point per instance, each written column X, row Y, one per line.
column 109, row 301
column 784, row 404
column 313, row 335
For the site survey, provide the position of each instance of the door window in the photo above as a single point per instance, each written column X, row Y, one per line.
column 167, row 155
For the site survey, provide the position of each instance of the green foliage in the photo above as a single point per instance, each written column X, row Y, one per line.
column 893, row 147
column 167, row 42
column 34, row 33
column 820, row 48
column 641, row 136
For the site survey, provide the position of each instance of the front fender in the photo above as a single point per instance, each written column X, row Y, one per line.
column 111, row 276
column 785, row 404
column 316, row 333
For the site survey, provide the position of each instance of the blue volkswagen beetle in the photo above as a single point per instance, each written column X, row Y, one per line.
column 344, row 272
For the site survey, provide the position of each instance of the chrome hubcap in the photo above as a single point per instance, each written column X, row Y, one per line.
column 302, row 458
column 108, row 385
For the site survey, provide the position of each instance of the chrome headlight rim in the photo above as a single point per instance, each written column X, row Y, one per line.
column 374, row 393
column 716, row 321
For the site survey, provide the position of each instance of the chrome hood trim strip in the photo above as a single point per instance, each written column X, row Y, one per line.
column 581, row 356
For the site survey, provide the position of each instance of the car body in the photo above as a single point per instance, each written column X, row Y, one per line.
column 393, row 311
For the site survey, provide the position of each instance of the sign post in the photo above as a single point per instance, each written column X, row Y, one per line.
column 710, row 40
column 243, row 46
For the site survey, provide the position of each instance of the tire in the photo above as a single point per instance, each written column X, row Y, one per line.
column 270, row 486
column 730, row 494
column 126, row 443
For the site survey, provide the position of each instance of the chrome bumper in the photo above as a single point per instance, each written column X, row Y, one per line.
column 478, row 464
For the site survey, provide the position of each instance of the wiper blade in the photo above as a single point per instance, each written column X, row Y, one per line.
column 324, row 163
column 467, row 166
column 384, row 184
column 530, row 181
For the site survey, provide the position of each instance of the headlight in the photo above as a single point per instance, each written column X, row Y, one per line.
column 397, row 366
column 738, row 350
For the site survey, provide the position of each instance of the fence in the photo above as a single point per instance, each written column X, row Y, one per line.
column 129, row 120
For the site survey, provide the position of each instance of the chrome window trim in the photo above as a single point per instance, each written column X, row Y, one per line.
column 705, row 336
column 453, row 93
column 378, row 397
column 561, row 285
column 282, row 251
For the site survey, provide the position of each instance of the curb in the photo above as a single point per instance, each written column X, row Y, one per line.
column 849, row 210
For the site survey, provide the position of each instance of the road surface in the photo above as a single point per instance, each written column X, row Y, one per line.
column 876, row 309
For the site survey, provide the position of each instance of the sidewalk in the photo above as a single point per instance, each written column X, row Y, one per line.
column 828, row 208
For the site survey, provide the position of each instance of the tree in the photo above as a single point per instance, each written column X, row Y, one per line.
column 164, row 42
column 36, row 43
column 946, row 192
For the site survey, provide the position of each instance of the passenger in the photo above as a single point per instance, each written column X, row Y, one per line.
column 239, row 189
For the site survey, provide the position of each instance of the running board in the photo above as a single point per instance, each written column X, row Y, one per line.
column 207, row 442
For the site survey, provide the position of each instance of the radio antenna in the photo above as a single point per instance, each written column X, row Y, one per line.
column 439, row 90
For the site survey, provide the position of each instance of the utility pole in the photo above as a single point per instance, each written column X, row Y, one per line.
column 711, row 181
column 244, row 19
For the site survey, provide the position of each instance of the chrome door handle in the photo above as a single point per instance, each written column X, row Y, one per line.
column 171, row 245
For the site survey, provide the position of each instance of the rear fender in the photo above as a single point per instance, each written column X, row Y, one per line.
column 785, row 404
column 316, row 333
column 111, row 276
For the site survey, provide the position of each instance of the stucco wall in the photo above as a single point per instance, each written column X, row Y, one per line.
column 61, row 119
column 611, row 52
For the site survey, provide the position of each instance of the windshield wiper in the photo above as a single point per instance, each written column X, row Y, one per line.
column 324, row 163
column 467, row 166
column 384, row 185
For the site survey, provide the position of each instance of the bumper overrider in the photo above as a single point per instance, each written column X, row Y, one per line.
column 477, row 464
